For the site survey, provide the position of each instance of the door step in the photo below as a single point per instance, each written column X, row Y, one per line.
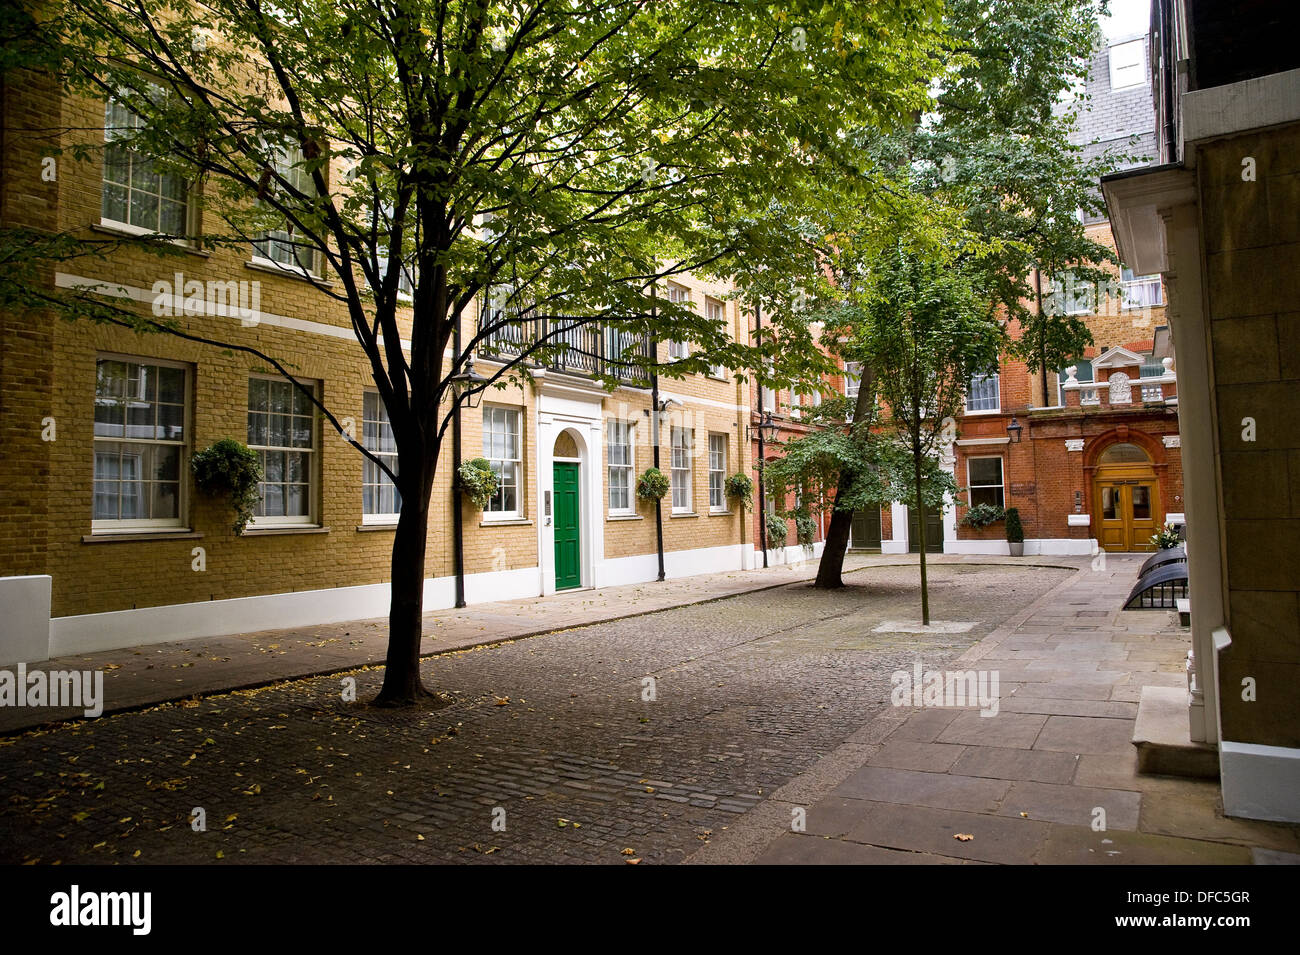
column 1163, row 739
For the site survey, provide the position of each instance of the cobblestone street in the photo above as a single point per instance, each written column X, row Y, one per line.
column 549, row 736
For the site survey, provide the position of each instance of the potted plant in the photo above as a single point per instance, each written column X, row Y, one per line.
column 478, row 481
column 652, row 485
column 1166, row 537
column 1015, row 532
column 229, row 469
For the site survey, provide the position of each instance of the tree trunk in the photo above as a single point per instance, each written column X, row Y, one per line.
column 402, row 686
column 831, row 569
column 920, row 530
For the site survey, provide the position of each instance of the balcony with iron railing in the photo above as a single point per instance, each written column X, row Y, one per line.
column 568, row 344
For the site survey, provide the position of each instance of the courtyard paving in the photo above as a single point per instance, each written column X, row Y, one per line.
column 551, row 751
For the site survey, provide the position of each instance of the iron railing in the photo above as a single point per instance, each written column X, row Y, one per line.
column 570, row 344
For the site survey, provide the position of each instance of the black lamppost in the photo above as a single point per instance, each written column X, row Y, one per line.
column 466, row 389
column 766, row 429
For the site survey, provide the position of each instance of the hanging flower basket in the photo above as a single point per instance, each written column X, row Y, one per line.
column 652, row 485
column 478, row 481
column 740, row 486
column 229, row 469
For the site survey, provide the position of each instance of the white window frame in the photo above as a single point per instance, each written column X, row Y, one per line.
column 717, row 472
column 1130, row 281
column 716, row 311
column 852, row 378
column 627, row 470
column 678, row 349
column 517, row 414
column 288, row 166
column 680, row 469
column 1128, row 64
column 1002, row 474
column 380, row 423
column 313, row 479
column 119, row 225
column 1067, row 288
column 145, row 525
column 996, row 379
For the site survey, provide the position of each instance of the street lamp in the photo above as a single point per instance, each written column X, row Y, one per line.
column 468, row 384
column 766, row 428
column 1014, row 429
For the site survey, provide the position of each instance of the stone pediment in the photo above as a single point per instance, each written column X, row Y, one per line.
column 1117, row 357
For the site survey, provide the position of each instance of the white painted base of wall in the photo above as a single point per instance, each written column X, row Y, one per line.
column 88, row 633
column 893, row 547
column 1260, row 782
column 677, row 563
column 1040, row 547
column 25, row 610
column 789, row 555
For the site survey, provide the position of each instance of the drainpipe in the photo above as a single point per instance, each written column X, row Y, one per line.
column 457, row 519
column 654, row 434
column 762, row 496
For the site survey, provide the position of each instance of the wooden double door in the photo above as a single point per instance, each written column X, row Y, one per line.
column 1127, row 509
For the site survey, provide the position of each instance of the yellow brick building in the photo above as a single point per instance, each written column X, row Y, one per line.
column 99, row 424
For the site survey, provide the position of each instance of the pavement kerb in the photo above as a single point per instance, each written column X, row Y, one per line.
column 176, row 695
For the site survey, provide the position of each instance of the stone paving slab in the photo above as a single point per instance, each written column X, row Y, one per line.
column 934, row 790
column 1071, row 668
column 1072, row 805
column 923, row 829
column 1029, row 764
column 792, row 849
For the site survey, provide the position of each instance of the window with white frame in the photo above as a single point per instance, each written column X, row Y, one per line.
column 380, row 500
column 140, row 443
column 852, row 378
column 137, row 195
column 1069, row 295
column 1140, row 291
column 678, row 294
column 681, row 470
column 502, row 448
column 1128, row 64
column 984, row 478
column 285, row 246
column 619, row 450
column 983, row 393
column 282, row 430
column 717, row 472
column 716, row 312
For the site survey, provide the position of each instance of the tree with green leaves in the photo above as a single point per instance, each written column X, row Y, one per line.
column 987, row 180
column 927, row 331
column 554, row 159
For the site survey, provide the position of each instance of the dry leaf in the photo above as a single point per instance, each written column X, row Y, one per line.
column 963, row 837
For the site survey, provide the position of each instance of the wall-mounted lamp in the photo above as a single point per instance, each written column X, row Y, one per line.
column 1014, row 429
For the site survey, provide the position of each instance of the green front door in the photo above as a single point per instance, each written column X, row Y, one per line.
column 568, row 559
